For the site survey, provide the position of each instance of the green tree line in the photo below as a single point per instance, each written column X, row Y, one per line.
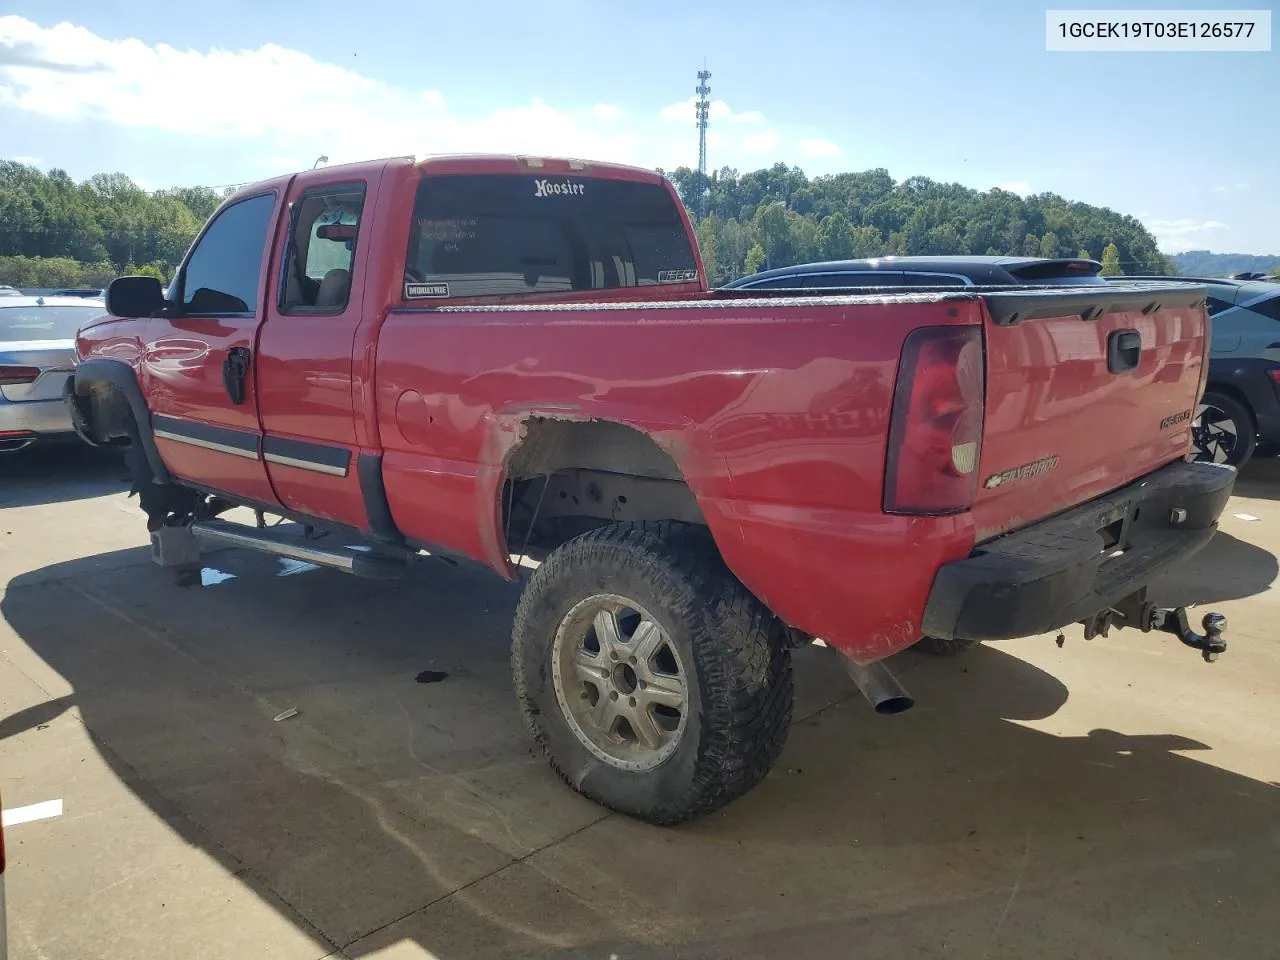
column 55, row 232
column 778, row 217
column 1202, row 263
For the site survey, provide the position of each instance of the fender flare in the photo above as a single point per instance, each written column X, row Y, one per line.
column 121, row 376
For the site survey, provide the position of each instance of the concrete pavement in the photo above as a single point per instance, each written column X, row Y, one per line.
column 1110, row 799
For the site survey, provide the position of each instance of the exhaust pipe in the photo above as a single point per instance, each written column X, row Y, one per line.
column 881, row 688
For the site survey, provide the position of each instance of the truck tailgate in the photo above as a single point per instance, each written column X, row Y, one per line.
column 1087, row 390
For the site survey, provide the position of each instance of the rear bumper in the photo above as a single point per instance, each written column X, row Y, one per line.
column 1064, row 569
column 37, row 418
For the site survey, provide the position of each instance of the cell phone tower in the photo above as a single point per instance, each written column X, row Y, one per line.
column 704, row 111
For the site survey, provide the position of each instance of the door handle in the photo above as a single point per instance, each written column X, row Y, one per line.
column 1124, row 350
column 235, row 371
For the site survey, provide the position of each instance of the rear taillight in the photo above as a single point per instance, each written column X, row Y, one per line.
column 935, row 434
column 13, row 376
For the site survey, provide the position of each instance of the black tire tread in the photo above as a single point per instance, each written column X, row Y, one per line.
column 743, row 663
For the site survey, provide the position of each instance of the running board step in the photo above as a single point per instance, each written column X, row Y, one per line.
column 379, row 566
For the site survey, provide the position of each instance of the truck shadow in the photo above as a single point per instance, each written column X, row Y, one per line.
column 390, row 810
column 60, row 471
column 1260, row 479
column 1228, row 568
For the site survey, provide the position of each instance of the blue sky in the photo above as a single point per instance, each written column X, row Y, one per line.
column 1186, row 142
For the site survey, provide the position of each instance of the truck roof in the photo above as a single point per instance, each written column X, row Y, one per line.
column 449, row 164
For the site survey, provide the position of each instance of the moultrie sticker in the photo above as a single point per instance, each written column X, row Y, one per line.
column 421, row 291
column 677, row 276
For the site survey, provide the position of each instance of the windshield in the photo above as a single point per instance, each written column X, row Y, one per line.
column 45, row 323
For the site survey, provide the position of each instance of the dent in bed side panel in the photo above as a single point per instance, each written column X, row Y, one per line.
column 858, row 580
column 762, row 431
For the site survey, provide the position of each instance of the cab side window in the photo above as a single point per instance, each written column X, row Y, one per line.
column 322, row 248
column 222, row 275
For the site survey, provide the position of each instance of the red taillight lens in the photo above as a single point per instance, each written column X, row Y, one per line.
column 12, row 376
column 935, row 434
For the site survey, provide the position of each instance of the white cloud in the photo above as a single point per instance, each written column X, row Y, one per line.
column 765, row 141
column 1019, row 187
column 68, row 73
column 29, row 161
column 820, row 148
column 685, row 111
column 1174, row 236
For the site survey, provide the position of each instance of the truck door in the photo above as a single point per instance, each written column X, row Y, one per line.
column 306, row 386
column 198, row 358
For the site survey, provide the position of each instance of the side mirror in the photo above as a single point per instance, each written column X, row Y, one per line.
column 134, row 297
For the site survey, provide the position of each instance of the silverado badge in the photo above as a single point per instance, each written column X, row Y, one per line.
column 1033, row 469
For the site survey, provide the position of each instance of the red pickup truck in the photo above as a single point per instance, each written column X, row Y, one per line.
column 500, row 358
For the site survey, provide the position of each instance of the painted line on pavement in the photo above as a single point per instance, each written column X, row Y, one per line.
column 34, row 811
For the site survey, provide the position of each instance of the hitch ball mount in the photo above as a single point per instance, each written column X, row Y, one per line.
column 1135, row 611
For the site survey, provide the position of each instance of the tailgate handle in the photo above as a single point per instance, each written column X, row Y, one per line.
column 1124, row 350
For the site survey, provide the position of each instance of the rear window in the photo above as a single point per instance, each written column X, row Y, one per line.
column 45, row 323
column 476, row 236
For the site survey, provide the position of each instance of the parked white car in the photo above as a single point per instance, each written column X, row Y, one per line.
column 37, row 352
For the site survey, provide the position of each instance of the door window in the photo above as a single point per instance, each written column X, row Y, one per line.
column 222, row 274
column 321, row 256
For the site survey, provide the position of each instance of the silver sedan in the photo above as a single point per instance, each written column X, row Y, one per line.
column 37, row 355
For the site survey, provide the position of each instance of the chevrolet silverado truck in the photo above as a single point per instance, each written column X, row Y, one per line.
column 517, row 361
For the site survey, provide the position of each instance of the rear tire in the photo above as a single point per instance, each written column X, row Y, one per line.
column 650, row 678
column 1223, row 431
column 940, row 647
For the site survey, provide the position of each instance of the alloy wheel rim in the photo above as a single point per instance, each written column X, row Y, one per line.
column 620, row 682
column 1213, row 434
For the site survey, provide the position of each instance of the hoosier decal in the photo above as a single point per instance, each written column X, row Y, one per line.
column 562, row 188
